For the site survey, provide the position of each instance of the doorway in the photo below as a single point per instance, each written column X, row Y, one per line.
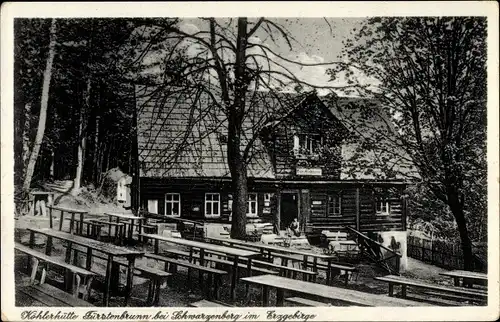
column 289, row 209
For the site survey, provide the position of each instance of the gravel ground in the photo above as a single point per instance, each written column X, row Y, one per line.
column 181, row 293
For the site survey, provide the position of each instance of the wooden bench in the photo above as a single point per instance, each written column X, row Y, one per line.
column 48, row 295
column 337, row 269
column 289, row 271
column 79, row 273
column 155, row 276
column 214, row 275
column 206, row 303
column 195, row 256
column 305, row 302
column 326, row 292
column 464, row 293
column 93, row 227
column 119, row 228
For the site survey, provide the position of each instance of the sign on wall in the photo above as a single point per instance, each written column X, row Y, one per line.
column 308, row 171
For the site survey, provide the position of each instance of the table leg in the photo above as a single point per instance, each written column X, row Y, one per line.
column 81, row 223
column 107, row 281
column 279, row 296
column 315, row 268
column 304, row 267
column 202, row 261
column 72, row 223
column 131, row 229
column 391, row 289
column 234, row 277
column 139, row 237
column 329, row 272
column 69, row 275
column 48, row 247
column 249, row 272
column 157, row 246
column 88, row 260
column 50, row 217
column 403, row 291
column 31, row 245
column 130, row 277
column 456, row 281
column 61, row 220
column 265, row 295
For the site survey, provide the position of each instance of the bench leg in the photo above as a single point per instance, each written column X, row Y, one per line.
column 44, row 274
column 217, row 282
column 157, row 293
column 391, row 289
column 279, row 296
column 34, row 269
column 76, row 285
column 403, row 291
column 149, row 300
column 107, row 281
column 171, row 269
column 88, row 288
column 346, row 278
column 234, row 278
column 210, row 284
column 265, row 295
column 130, row 278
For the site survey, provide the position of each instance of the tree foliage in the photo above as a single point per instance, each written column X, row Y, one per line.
column 430, row 77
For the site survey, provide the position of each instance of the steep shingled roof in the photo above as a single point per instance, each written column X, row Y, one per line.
column 371, row 152
column 182, row 134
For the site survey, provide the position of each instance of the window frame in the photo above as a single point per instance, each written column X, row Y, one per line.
column 256, row 201
column 337, row 198
column 155, row 201
column 172, row 201
column 382, row 205
column 212, row 202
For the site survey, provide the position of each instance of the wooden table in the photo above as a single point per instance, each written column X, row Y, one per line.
column 353, row 297
column 466, row 275
column 284, row 250
column 129, row 218
column 110, row 250
column 235, row 253
column 71, row 211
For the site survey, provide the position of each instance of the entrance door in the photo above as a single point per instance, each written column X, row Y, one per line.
column 289, row 209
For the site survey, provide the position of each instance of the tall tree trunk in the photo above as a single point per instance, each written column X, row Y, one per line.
column 47, row 76
column 457, row 210
column 236, row 161
column 26, row 137
column 83, row 141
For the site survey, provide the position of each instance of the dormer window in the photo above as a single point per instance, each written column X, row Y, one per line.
column 307, row 144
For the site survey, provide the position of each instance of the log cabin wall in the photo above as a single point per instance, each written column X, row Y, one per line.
column 192, row 197
column 352, row 201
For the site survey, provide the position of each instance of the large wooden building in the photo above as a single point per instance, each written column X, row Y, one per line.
column 305, row 162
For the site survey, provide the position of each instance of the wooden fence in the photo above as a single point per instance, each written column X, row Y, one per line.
column 436, row 252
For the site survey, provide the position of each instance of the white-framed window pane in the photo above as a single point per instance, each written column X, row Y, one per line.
column 212, row 204
column 334, row 205
column 173, row 204
column 153, row 206
column 252, row 204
